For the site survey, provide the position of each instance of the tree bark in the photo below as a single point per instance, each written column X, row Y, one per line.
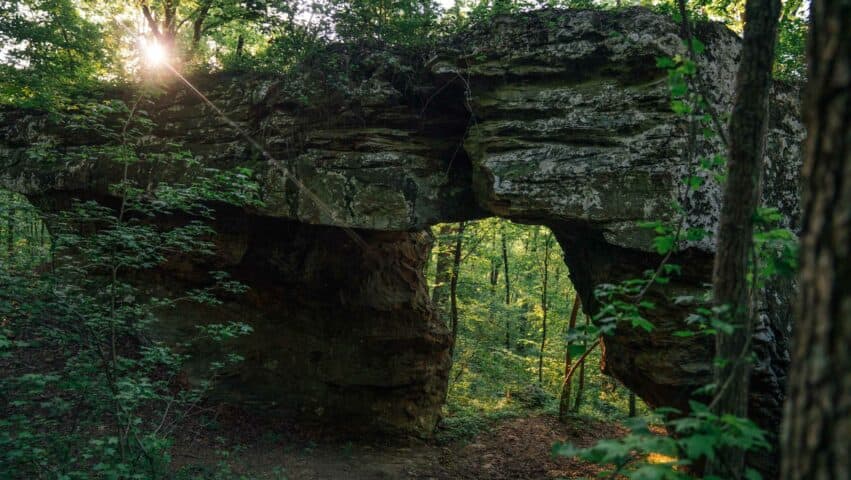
column 507, row 289
column 544, row 307
column 164, row 31
column 816, row 438
column 240, row 44
column 453, row 287
column 632, row 401
column 748, row 125
column 443, row 269
column 10, row 230
column 564, row 400
column 198, row 24
column 580, row 385
column 495, row 265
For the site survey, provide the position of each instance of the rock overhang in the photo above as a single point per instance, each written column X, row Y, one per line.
column 548, row 115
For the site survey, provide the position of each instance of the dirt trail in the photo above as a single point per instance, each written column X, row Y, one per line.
column 512, row 449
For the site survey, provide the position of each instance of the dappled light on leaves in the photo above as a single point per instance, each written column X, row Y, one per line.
column 659, row 458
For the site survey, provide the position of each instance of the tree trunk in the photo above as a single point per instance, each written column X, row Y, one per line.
column 198, row 24
column 494, row 275
column 580, row 386
column 10, row 228
column 453, row 287
column 564, row 400
column 240, row 44
column 747, row 129
column 507, row 289
column 816, row 439
column 632, row 404
column 164, row 31
column 544, row 307
column 443, row 269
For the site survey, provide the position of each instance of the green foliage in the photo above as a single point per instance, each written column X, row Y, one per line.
column 618, row 305
column 776, row 247
column 790, row 61
column 645, row 453
column 90, row 392
column 492, row 379
column 390, row 22
column 49, row 53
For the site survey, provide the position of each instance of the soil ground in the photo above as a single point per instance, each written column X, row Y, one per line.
column 518, row 448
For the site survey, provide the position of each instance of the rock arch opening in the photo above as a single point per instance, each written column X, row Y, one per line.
column 514, row 300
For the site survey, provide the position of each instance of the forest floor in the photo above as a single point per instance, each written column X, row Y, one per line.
column 516, row 448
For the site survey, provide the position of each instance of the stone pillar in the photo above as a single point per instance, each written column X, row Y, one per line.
column 344, row 330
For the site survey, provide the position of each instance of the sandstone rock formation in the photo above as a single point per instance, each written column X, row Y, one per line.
column 553, row 117
column 343, row 331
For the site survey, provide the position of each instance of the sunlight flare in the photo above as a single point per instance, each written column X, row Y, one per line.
column 155, row 53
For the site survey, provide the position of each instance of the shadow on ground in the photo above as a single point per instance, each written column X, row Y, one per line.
column 237, row 446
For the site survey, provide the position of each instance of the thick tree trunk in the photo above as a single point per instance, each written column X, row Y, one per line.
column 748, row 125
column 564, row 400
column 453, row 287
column 817, row 422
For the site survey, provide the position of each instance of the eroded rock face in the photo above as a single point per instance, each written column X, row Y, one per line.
column 374, row 159
column 574, row 129
column 343, row 329
column 553, row 117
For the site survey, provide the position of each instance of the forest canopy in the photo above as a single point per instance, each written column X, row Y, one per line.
column 55, row 49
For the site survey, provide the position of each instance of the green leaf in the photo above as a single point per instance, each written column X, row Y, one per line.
column 575, row 350
column 696, row 234
column 697, row 446
column 665, row 62
column 642, row 323
column 680, row 107
column 694, row 182
column 663, row 244
column 751, row 474
column 672, row 268
column 678, row 87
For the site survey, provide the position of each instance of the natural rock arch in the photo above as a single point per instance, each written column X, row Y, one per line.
column 553, row 117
